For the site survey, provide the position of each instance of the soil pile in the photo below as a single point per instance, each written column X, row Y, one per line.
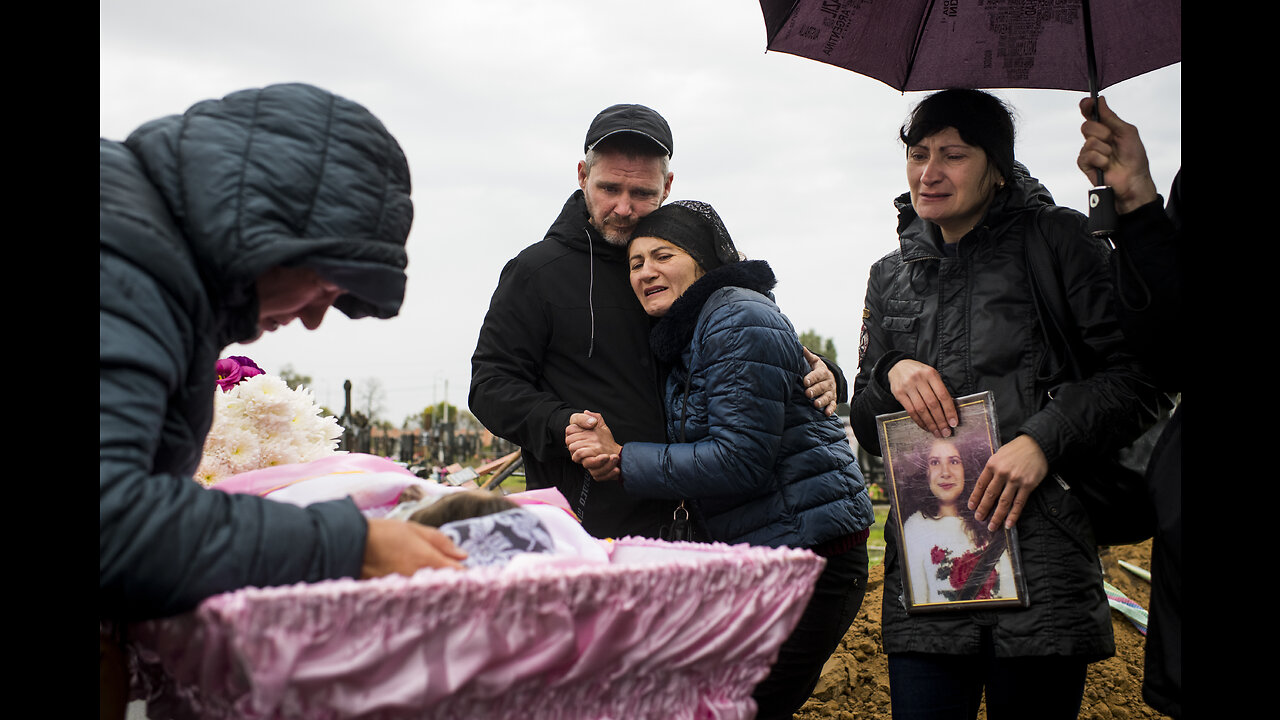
column 855, row 681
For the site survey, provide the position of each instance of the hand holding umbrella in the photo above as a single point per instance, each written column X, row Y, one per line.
column 1112, row 146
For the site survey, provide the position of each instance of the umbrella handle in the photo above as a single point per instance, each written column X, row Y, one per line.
column 1102, row 211
column 1102, row 199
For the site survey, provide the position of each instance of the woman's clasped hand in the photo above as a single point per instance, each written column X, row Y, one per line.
column 591, row 444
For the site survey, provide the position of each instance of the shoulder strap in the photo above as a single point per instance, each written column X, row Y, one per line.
column 1060, row 361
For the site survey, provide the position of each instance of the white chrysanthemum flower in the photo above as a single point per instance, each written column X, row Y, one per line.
column 262, row 423
column 209, row 472
column 241, row 447
column 320, row 430
column 265, row 396
column 277, row 453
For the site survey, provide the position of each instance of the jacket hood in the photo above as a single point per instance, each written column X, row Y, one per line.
column 1021, row 193
column 672, row 334
column 284, row 175
column 573, row 228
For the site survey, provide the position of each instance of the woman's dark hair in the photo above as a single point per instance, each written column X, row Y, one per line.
column 973, row 455
column 460, row 506
column 982, row 119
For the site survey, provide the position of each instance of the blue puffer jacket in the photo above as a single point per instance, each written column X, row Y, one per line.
column 762, row 465
column 193, row 208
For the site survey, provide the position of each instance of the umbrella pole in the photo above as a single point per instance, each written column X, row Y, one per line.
column 1092, row 65
column 1102, row 199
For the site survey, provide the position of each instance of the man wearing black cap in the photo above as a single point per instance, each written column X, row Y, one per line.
column 565, row 333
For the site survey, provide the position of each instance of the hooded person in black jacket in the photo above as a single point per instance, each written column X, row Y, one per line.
column 565, row 333
column 216, row 225
column 232, row 219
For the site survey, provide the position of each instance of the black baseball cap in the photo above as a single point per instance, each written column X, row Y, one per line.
column 630, row 118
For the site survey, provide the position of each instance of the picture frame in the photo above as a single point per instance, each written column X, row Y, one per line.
column 949, row 560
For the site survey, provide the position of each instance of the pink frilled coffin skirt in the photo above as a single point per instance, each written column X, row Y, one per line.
column 644, row 629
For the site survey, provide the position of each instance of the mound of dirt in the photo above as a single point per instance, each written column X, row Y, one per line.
column 855, row 681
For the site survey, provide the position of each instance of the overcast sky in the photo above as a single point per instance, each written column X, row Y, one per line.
column 491, row 100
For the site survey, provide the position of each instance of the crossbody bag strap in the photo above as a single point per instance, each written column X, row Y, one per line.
column 1052, row 310
column 681, row 527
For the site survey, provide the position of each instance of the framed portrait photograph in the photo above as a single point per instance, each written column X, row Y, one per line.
column 950, row 560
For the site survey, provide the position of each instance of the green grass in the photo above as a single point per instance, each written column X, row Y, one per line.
column 875, row 542
column 513, row 483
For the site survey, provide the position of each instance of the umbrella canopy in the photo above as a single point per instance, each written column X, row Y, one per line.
column 938, row 44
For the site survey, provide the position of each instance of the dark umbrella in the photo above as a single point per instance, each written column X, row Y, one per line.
column 939, row 44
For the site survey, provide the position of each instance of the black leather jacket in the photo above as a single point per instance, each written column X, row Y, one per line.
column 972, row 318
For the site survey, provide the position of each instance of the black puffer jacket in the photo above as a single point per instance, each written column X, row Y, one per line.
column 565, row 333
column 193, row 208
column 972, row 318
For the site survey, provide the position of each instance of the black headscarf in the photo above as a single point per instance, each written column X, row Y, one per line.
column 694, row 227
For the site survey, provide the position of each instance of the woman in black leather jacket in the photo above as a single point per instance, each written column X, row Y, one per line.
column 951, row 313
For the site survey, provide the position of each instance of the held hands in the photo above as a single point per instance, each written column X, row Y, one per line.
column 1113, row 146
column 920, row 391
column 820, row 385
column 591, row 444
column 396, row 546
column 1007, row 481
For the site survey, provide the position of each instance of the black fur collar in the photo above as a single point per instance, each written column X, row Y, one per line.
column 672, row 334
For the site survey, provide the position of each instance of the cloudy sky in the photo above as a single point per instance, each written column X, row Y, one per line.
column 490, row 101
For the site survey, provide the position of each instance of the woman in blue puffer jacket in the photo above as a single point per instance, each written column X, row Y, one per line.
column 747, row 452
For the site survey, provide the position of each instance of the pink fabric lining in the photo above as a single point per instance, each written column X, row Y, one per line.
column 373, row 482
column 261, row 482
column 664, row 630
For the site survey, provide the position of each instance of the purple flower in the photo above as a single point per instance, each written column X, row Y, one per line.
column 248, row 368
column 234, row 369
